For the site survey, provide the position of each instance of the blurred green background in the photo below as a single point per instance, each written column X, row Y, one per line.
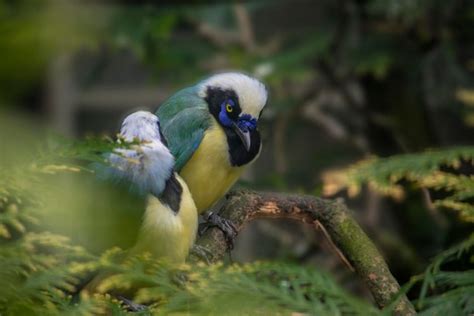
column 347, row 80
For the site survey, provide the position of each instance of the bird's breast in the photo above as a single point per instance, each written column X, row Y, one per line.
column 167, row 233
column 209, row 173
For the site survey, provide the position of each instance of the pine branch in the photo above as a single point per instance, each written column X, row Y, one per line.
column 244, row 206
column 437, row 170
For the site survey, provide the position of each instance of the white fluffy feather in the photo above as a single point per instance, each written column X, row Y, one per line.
column 252, row 93
column 147, row 165
column 142, row 126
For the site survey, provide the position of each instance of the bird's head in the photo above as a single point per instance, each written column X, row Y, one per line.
column 236, row 102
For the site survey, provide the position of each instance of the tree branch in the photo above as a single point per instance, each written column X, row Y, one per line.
column 347, row 235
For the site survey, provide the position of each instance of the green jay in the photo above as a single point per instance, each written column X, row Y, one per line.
column 212, row 131
column 170, row 221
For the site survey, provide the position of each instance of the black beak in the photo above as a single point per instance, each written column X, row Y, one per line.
column 243, row 135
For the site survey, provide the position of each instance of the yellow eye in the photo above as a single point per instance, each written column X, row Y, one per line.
column 229, row 108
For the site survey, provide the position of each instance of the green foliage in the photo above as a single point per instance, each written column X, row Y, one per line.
column 51, row 28
column 39, row 269
column 427, row 170
column 241, row 289
column 42, row 272
column 42, row 267
column 448, row 292
column 35, row 265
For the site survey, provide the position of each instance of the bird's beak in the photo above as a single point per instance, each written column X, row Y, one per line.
column 243, row 135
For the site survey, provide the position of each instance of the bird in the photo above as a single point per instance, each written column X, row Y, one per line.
column 143, row 162
column 212, row 131
column 169, row 226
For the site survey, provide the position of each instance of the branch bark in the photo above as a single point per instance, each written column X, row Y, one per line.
column 243, row 206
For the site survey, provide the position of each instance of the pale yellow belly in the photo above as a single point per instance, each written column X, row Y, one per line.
column 208, row 173
column 166, row 235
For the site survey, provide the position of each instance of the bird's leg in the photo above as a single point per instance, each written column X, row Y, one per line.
column 226, row 226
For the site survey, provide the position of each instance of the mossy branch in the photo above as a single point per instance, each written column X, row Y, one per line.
column 244, row 206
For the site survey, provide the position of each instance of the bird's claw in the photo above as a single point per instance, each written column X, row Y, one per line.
column 225, row 225
column 131, row 306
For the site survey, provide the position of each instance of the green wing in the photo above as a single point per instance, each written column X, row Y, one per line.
column 183, row 119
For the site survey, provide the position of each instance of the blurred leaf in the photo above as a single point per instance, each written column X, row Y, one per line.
column 51, row 28
column 423, row 169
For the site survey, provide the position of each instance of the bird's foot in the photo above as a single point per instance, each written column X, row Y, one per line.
column 201, row 253
column 132, row 306
column 225, row 225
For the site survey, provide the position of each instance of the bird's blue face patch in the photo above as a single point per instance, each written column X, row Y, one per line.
column 247, row 123
column 227, row 107
column 228, row 115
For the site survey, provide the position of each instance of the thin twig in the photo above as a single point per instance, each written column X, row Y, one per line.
column 432, row 210
column 334, row 247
